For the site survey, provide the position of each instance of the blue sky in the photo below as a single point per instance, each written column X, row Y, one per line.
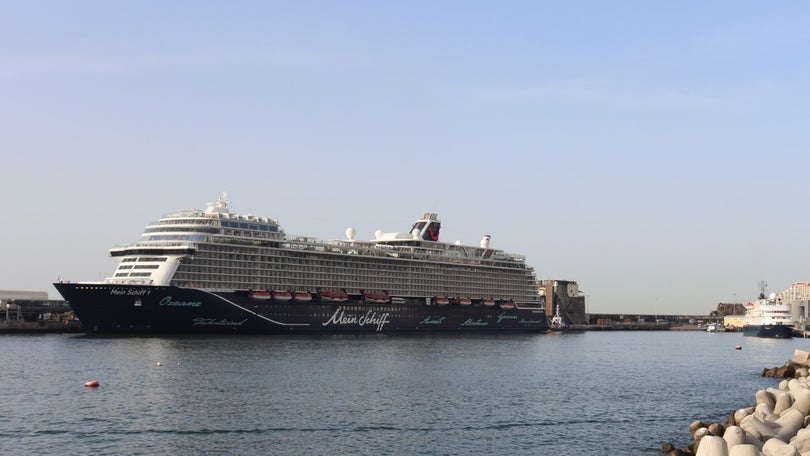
column 655, row 152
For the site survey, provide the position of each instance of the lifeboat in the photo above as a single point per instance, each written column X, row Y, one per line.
column 507, row 305
column 376, row 298
column 334, row 296
column 488, row 302
column 302, row 296
column 282, row 296
column 462, row 301
column 441, row 301
column 260, row 295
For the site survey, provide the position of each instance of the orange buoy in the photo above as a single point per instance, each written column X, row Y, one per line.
column 91, row 384
column 738, row 347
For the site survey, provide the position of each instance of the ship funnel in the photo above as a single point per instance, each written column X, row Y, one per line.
column 485, row 241
column 427, row 227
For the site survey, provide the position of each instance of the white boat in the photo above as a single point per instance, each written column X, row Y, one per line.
column 715, row 328
column 557, row 323
column 768, row 317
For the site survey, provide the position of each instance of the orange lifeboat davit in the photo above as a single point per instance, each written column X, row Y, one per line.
column 441, row 301
column 260, row 295
column 488, row 302
column 507, row 305
column 376, row 298
column 282, row 296
column 302, row 296
column 334, row 296
column 462, row 301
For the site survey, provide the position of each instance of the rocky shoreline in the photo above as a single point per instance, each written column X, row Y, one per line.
column 777, row 425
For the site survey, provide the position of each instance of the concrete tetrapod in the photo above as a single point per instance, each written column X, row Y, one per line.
column 711, row 445
column 744, row 450
column 777, row 425
column 734, row 436
column 776, row 447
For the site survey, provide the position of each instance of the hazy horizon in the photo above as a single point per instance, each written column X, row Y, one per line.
column 653, row 152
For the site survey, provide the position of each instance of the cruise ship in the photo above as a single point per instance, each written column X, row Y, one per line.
column 768, row 317
column 215, row 271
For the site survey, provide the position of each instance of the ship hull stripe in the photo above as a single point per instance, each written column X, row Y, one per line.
column 110, row 309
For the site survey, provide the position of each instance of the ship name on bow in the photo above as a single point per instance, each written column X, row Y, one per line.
column 129, row 292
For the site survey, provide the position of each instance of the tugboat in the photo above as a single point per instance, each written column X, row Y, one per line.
column 556, row 324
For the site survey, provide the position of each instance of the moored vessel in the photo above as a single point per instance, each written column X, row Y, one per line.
column 768, row 317
column 215, row 271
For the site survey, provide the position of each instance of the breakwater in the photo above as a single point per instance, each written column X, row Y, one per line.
column 776, row 425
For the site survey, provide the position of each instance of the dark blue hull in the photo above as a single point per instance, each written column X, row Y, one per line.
column 771, row 331
column 142, row 309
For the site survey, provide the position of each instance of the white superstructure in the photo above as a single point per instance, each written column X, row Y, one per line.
column 768, row 311
column 214, row 249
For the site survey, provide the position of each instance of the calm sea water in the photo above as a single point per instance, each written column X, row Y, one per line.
column 590, row 393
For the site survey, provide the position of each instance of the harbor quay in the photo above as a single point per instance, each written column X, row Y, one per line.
column 625, row 322
column 33, row 312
